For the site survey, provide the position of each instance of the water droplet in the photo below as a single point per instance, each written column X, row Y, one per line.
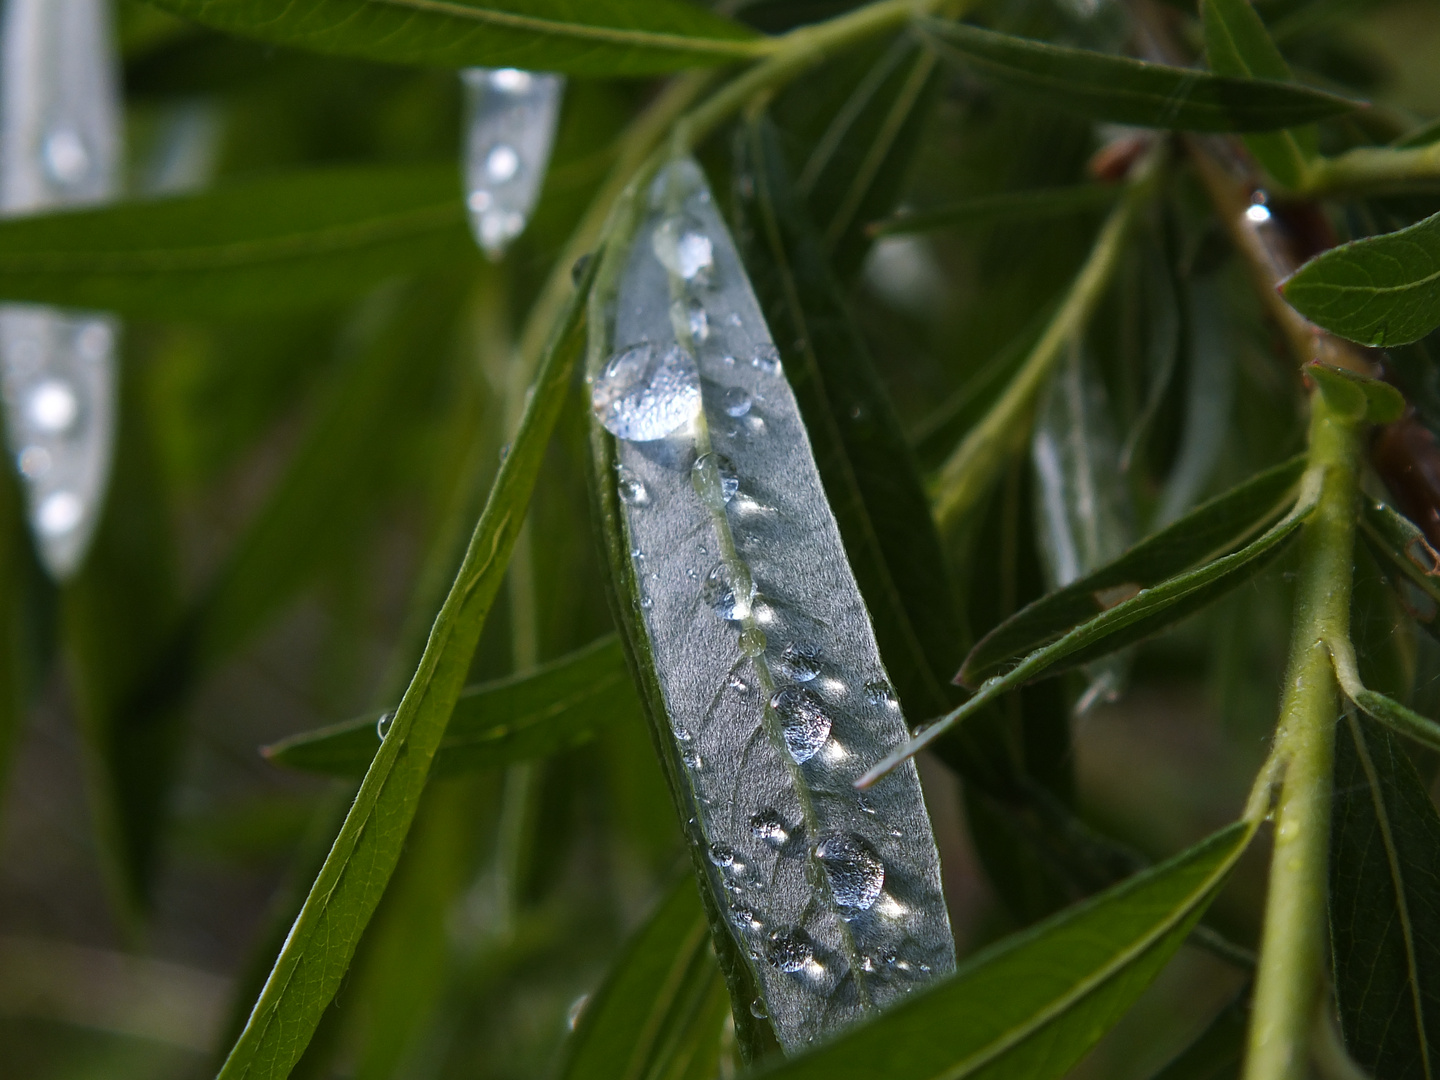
column 752, row 641
column 501, row 164
column 382, row 726
column 766, row 359
column 757, row 1009
column 510, row 80
column 504, row 452
column 769, row 827
column 735, row 400
column 880, row 692
column 693, row 760
column 644, row 394
column 682, row 732
column 59, row 513
column 579, row 267
column 52, row 407
column 856, row 873
column 34, row 462
column 803, row 721
column 728, row 594
column 789, row 950
column 799, row 661
column 67, row 161
column 683, row 248
column 690, row 316
column 722, row 855
column 632, row 489
column 572, row 1015
column 744, row 917
column 725, row 475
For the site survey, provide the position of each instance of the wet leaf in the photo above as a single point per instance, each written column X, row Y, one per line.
column 1384, row 914
column 285, row 242
column 598, row 37
column 1383, row 290
column 1125, row 91
column 562, row 704
column 1032, row 1005
column 1215, row 527
column 659, row 1012
column 310, row 967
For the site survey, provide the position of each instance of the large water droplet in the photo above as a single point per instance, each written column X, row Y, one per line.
column 382, row 726
column 729, row 593
column 766, row 359
column 757, row 1009
column 789, row 950
column 856, row 873
column 66, row 159
column 769, row 828
column 501, row 164
column 644, row 394
column 803, row 721
column 736, row 401
column 632, row 488
column 52, row 407
column 799, row 661
column 722, row 855
column 59, row 513
column 724, row 473
column 683, row 248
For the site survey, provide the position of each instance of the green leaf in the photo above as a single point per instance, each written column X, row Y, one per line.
column 284, row 242
column 660, row 1010
column 1146, row 612
column 1009, row 206
column 1356, row 396
column 1237, row 43
column 562, row 704
column 316, row 954
column 1381, row 291
column 1125, row 91
column 593, row 37
column 1397, row 717
column 1402, row 548
column 1215, row 527
column 1385, row 905
column 1032, row 1005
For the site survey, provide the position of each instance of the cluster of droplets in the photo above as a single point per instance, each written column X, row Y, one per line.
column 510, row 127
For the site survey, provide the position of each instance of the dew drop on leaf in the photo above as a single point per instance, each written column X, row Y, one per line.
column 683, row 248
column 725, row 475
column 803, row 721
column 855, row 872
column 644, row 393
column 736, row 401
column 769, row 828
column 382, row 726
column 799, row 661
column 632, row 488
column 728, row 592
column 752, row 641
column 766, row 359
column 789, row 950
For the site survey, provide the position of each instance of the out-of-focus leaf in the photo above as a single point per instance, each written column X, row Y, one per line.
column 316, row 954
column 560, row 705
column 1385, row 905
column 1413, row 565
column 1032, row 1005
column 1214, row 528
column 17, row 660
column 1382, row 290
column 1237, row 43
column 1216, row 1052
column 1125, row 91
column 996, row 209
column 1144, row 613
column 597, row 37
column 284, row 242
column 659, row 1012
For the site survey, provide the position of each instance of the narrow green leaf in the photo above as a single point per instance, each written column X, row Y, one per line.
column 596, row 37
column 1398, row 718
column 1032, row 1005
column 316, row 954
column 1147, row 612
column 283, row 242
column 562, row 704
column 1237, row 43
column 1381, row 291
column 1009, row 206
column 1403, row 549
column 659, row 1012
column 1121, row 90
column 1385, row 905
column 1356, row 396
column 1207, row 531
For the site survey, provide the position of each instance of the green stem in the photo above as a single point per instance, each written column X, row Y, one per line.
column 1373, row 168
column 966, row 476
column 1290, row 975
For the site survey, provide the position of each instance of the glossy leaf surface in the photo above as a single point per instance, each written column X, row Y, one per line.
column 576, row 37
column 285, row 242
column 1383, row 290
column 1125, row 91
column 1385, row 904
column 563, row 704
column 1032, row 1005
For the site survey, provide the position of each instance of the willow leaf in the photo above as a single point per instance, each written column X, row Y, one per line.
column 998, row 209
column 284, row 242
column 562, row 704
column 593, row 37
column 659, row 1012
column 746, row 625
column 1385, row 905
column 1209, row 530
column 1032, row 1005
column 1383, row 290
column 1125, row 91
column 1413, row 565
column 314, row 959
